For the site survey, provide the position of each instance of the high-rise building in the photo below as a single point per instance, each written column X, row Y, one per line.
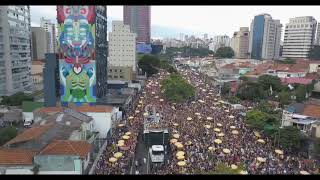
column 240, row 43
column 219, row 41
column 122, row 46
column 318, row 36
column 39, row 43
column 82, row 53
column 51, row 29
column 50, row 75
column 265, row 35
column 139, row 20
column 299, row 37
column 15, row 49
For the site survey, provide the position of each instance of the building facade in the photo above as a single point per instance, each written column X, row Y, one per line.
column 39, row 43
column 15, row 49
column 220, row 41
column 265, row 36
column 82, row 53
column 122, row 46
column 240, row 43
column 318, row 36
column 51, row 29
column 299, row 37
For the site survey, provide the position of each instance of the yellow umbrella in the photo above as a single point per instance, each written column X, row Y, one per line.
column 215, row 99
column 141, row 97
column 278, row 151
column 261, row 141
column 227, row 151
column 180, row 157
column 243, row 172
column 224, row 106
column 145, row 114
column 304, row 172
column 208, row 126
column 210, row 93
column 176, row 136
column 140, row 102
column 260, row 159
column 189, row 118
column 219, row 125
column 197, row 114
column 113, row 159
column 120, row 125
column 157, row 114
column 180, row 153
column 193, row 102
column 201, row 101
column 211, row 148
column 173, row 107
column 231, row 117
column 153, row 93
column 217, row 141
column 139, row 106
column 144, row 92
column 209, row 118
column 125, row 137
column 130, row 117
column 156, row 97
column 181, row 163
column 175, row 124
column 178, row 145
column 220, row 135
column 227, row 110
column 235, row 132
column 173, row 141
column 249, row 107
column 137, row 111
column 233, row 166
column 221, row 101
column 121, row 141
column 232, row 127
column 216, row 129
column 120, row 144
column 128, row 133
column 161, row 100
column 188, row 143
column 257, row 134
column 118, row 155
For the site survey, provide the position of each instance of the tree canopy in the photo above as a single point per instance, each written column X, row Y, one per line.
column 7, row 134
column 16, row 99
column 176, row 89
column 266, row 81
column 315, row 53
column 149, row 64
column 300, row 93
column 290, row 137
column 224, row 52
column 250, row 91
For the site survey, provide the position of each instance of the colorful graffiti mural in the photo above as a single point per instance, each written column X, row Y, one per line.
column 76, row 29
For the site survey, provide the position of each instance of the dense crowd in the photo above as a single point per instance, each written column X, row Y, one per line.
column 198, row 123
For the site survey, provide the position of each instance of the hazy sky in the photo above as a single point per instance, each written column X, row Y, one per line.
column 217, row 20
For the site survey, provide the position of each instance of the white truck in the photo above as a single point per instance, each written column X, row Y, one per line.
column 156, row 153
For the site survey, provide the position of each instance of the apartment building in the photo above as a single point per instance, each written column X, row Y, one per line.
column 265, row 36
column 51, row 29
column 39, row 43
column 15, row 49
column 299, row 37
column 240, row 43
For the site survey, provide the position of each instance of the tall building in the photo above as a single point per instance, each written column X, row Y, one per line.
column 82, row 53
column 122, row 49
column 318, row 36
column 39, row 43
column 299, row 37
column 51, row 29
column 265, row 36
column 50, row 75
column 240, row 43
column 220, row 41
column 15, row 49
column 139, row 20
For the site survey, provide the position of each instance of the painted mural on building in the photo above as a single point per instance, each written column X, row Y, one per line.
column 76, row 29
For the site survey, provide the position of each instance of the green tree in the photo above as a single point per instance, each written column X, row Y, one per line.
column 149, row 64
column 16, row 99
column 250, row 91
column 315, row 53
column 287, row 61
column 284, row 98
column 290, row 137
column 7, row 134
column 256, row 119
column 266, row 81
column 224, row 52
column 234, row 100
column 176, row 89
column 300, row 93
column 225, row 89
column 244, row 78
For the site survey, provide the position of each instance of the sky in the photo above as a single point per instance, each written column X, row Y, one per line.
column 213, row 20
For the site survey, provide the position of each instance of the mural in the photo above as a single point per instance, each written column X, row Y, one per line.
column 76, row 43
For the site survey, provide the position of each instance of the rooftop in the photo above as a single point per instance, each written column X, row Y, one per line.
column 16, row 156
column 66, row 147
column 312, row 110
column 83, row 108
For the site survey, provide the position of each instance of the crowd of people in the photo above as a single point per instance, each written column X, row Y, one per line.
column 199, row 123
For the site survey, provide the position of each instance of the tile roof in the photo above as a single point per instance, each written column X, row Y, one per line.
column 16, row 156
column 293, row 80
column 312, row 110
column 38, row 62
column 83, row 108
column 30, row 134
column 67, row 147
column 229, row 66
column 312, row 76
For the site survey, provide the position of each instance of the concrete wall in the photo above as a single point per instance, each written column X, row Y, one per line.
column 101, row 122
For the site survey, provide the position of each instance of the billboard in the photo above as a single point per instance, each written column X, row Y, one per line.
column 76, row 48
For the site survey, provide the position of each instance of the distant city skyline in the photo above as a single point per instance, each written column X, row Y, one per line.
column 213, row 20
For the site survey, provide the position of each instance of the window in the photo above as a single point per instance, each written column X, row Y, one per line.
column 120, row 70
column 110, row 70
column 115, row 70
column 115, row 76
column 121, row 76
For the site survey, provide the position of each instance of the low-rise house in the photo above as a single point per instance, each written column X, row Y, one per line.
column 27, row 110
column 16, row 161
column 294, row 80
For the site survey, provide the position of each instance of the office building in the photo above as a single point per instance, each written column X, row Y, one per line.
column 139, row 20
column 39, row 43
column 122, row 48
column 15, row 50
column 83, row 69
column 240, row 43
column 299, row 37
column 51, row 29
column 265, row 35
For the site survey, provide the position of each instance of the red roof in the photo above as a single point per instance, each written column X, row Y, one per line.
column 312, row 110
column 83, row 108
column 294, row 80
column 67, row 147
column 16, row 156
column 229, row 66
column 312, row 76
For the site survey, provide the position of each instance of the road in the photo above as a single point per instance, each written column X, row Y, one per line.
column 140, row 154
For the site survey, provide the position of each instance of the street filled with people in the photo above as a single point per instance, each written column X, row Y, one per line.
column 204, row 132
